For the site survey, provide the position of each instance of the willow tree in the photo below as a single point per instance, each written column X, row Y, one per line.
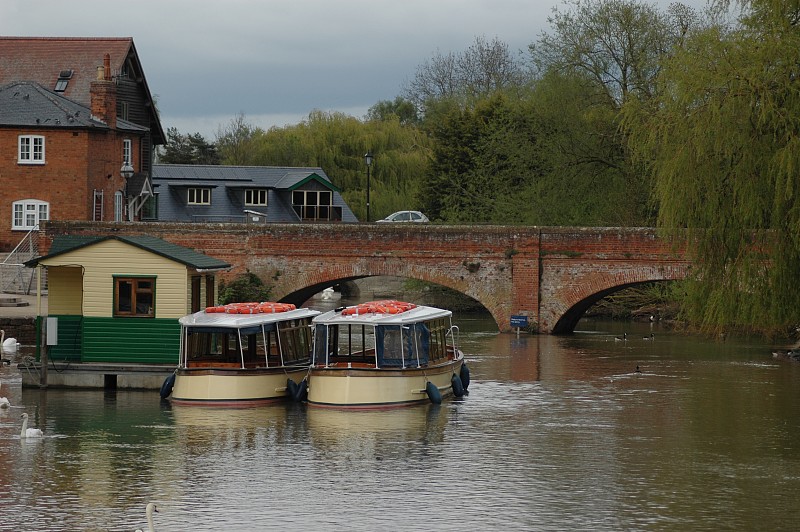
column 722, row 140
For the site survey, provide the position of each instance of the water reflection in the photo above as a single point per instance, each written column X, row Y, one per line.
column 556, row 433
column 374, row 435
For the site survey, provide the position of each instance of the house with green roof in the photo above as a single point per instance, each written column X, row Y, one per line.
column 117, row 299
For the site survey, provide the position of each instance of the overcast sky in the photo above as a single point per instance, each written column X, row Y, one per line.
column 275, row 61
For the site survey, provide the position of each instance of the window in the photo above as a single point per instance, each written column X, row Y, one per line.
column 254, row 197
column 134, row 297
column 63, row 80
column 150, row 208
column 124, row 111
column 27, row 214
column 31, row 149
column 126, row 152
column 312, row 204
column 119, row 206
column 199, row 196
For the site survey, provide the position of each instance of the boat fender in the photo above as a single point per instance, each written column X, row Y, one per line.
column 433, row 393
column 166, row 388
column 291, row 389
column 458, row 387
column 302, row 391
column 464, row 374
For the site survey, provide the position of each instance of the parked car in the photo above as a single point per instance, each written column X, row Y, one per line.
column 406, row 216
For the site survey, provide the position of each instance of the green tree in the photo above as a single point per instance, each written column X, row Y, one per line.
column 245, row 288
column 188, row 149
column 722, row 143
column 403, row 109
column 237, row 140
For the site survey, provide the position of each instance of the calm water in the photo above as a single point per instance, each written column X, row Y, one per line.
column 557, row 433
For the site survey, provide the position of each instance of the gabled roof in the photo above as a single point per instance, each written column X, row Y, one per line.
column 42, row 59
column 295, row 180
column 26, row 103
column 66, row 243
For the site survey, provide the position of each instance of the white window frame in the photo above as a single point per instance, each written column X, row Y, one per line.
column 126, row 152
column 30, row 149
column 255, row 197
column 119, row 206
column 198, row 196
column 26, row 214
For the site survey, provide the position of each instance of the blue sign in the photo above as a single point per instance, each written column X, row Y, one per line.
column 519, row 321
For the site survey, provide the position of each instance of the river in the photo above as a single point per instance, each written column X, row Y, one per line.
column 557, row 433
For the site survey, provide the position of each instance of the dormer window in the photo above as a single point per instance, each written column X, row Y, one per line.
column 254, row 197
column 199, row 196
column 63, row 80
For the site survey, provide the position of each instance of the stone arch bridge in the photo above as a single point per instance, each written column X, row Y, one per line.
column 551, row 274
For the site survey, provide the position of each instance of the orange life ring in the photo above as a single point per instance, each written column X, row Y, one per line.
column 385, row 306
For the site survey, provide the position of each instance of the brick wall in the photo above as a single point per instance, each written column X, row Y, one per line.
column 76, row 163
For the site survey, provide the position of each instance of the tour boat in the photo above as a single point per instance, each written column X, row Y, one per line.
column 384, row 354
column 241, row 354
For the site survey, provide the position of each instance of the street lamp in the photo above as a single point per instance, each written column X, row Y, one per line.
column 126, row 170
column 368, row 162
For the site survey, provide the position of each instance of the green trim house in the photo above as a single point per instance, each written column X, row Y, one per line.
column 117, row 299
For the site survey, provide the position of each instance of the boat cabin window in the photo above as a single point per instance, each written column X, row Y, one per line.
column 248, row 347
column 344, row 343
column 438, row 338
column 295, row 341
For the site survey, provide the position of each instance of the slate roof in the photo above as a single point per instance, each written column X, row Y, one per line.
column 28, row 104
column 41, row 59
column 66, row 243
column 170, row 182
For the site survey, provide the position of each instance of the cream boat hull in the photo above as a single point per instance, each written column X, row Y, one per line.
column 234, row 387
column 357, row 387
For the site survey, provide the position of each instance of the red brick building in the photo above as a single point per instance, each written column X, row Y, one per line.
column 78, row 130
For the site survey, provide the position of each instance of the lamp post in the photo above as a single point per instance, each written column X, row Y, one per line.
column 126, row 172
column 368, row 162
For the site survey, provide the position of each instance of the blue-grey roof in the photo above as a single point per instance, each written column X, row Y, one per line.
column 25, row 103
column 228, row 185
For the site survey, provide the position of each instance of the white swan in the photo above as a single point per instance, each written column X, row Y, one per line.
column 9, row 344
column 5, row 403
column 29, row 433
column 151, row 507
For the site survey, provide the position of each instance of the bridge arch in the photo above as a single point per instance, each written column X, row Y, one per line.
column 572, row 300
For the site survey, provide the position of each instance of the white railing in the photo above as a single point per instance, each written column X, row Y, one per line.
column 15, row 278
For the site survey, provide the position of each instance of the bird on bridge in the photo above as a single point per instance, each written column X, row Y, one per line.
column 623, row 338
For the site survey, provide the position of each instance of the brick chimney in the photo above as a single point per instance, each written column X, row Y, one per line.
column 103, row 93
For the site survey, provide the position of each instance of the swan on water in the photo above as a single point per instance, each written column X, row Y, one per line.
column 29, row 433
column 5, row 403
column 9, row 344
column 151, row 507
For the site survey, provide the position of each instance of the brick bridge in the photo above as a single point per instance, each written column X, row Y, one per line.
column 551, row 274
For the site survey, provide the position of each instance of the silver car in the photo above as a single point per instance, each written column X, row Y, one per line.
column 405, row 216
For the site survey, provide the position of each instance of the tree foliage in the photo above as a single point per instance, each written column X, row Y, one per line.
column 722, row 143
column 188, row 149
column 245, row 288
